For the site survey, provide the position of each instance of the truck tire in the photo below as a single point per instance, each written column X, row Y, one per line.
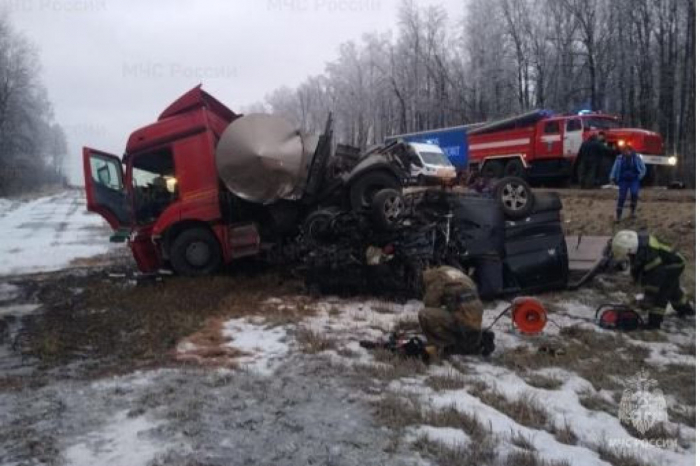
column 515, row 197
column 317, row 226
column 388, row 208
column 515, row 168
column 195, row 252
column 363, row 190
column 492, row 169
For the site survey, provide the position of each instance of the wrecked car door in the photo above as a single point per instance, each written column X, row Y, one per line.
column 104, row 187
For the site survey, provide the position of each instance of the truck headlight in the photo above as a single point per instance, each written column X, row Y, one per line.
column 673, row 160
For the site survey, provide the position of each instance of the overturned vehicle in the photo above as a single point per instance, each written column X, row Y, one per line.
column 385, row 250
column 202, row 187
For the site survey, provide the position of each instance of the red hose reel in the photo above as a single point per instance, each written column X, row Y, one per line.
column 528, row 315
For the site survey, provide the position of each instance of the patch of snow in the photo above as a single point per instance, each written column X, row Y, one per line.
column 562, row 407
column 18, row 310
column 48, row 233
column 123, row 441
column 264, row 347
column 8, row 291
column 448, row 436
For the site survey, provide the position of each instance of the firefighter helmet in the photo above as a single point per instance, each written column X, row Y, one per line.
column 624, row 243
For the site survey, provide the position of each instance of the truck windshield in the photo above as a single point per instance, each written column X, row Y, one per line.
column 600, row 123
column 435, row 158
column 155, row 185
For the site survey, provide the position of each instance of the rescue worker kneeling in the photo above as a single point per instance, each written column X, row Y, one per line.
column 658, row 268
column 451, row 320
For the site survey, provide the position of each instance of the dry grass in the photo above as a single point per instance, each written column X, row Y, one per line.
column 619, row 457
column 593, row 401
column 207, row 346
column 526, row 410
column 565, row 434
column 528, row 458
column 476, row 454
column 390, row 367
column 605, row 359
column 399, row 412
column 451, row 381
column 120, row 327
column 312, row 342
column 546, row 382
column 521, row 441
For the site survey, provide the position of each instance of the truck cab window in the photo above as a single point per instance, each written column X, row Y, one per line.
column 155, row 184
column 106, row 172
column 551, row 127
column 600, row 123
column 573, row 125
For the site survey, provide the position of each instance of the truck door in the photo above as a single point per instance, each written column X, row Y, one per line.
column 549, row 142
column 573, row 137
column 104, row 187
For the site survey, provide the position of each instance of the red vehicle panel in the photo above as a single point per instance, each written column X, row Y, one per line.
column 542, row 144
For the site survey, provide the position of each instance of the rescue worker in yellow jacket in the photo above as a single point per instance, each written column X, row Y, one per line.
column 658, row 268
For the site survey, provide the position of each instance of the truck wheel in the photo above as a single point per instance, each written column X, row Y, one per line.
column 515, row 168
column 317, row 226
column 363, row 190
column 388, row 207
column 195, row 252
column 515, row 197
column 492, row 169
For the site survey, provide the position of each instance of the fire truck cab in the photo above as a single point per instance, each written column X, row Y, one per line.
column 540, row 144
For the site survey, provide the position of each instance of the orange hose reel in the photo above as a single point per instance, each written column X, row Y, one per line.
column 529, row 315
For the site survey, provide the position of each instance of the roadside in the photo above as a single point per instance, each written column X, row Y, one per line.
column 43, row 234
column 245, row 368
column 669, row 214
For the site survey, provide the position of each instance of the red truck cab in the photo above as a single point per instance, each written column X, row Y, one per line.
column 203, row 186
column 543, row 145
column 165, row 183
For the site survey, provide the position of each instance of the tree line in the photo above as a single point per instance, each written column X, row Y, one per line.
column 32, row 145
column 633, row 58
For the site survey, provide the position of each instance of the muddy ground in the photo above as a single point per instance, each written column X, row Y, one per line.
column 669, row 214
column 97, row 367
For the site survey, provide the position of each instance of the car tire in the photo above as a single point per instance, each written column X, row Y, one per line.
column 515, row 197
column 388, row 209
column 515, row 168
column 195, row 252
column 363, row 190
column 492, row 169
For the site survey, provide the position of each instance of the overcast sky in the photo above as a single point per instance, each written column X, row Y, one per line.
column 111, row 66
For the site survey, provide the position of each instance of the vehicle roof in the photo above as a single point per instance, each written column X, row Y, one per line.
column 437, row 130
column 604, row 116
column 424, row 147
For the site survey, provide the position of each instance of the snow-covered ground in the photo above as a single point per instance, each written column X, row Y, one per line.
column 346, row 322
column 48, row 233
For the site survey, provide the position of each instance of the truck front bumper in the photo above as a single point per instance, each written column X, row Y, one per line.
column 662, row 160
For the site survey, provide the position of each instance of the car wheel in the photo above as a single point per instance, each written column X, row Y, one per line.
column 388, row 208
column 515, row 197
column 515, row 168
column 492, row 169
column 363, row 190
column 195, row 252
